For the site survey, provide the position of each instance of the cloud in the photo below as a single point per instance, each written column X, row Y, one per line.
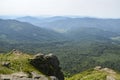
column 97, row 8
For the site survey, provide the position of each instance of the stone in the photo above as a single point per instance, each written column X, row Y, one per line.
column 48, row 64
column 110, row 78
column 16, row 52
column 38, row 56
column 98, row 68
column 6, row 64
column 53, row 78
column 19, row 75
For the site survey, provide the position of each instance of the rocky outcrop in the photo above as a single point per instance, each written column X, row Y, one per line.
column 20, row 66
column 110, row 73
column 48, row 64
column 23, row 76
column 16, row 52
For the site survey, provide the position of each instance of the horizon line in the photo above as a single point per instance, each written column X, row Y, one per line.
column 69, row 16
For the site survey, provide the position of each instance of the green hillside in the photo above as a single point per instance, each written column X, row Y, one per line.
column 15, row 62
column 65, row 24
column 96, row 74
column 14, row 31
column 18, row 63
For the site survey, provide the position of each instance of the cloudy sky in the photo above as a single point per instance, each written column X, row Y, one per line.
column 93, row 8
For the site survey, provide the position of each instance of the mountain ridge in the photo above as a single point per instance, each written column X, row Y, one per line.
column 66, row 23
column 22, row 31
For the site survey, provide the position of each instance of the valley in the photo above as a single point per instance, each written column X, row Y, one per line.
column 79, row 43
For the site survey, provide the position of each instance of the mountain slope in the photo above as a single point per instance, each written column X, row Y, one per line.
column 68, row 23
column 13, row 30
column 88, row 33
column 96, row 74
column 37, row 20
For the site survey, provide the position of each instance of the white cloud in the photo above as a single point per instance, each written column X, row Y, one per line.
column 97, row 8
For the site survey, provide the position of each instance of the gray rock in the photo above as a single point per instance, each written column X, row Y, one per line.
column 52, row 59
column 6, row 64
column 38, row 56
column 23, row 76
column 48, row 64
column 53, row 78
column 110, row 78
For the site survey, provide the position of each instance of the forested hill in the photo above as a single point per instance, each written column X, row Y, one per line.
column 15, row 31
column 71, row 23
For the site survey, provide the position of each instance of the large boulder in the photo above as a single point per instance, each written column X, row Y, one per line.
column 48, row 64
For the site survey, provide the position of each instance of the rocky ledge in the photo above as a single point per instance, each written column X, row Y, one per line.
column 20, row 66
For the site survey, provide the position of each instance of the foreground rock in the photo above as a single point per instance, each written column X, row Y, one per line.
column 17, row 65
column 48, row 64
column 22, row 76
column 110, row 73
column 110, row 78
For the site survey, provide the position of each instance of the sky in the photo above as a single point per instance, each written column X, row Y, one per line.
column 91, row 8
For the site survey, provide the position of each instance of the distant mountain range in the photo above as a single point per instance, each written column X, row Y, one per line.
column 63, row 24
column 13, row 30
column 76, row 27
column 39, row 21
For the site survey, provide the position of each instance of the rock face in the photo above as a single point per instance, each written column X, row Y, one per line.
column 48, row 64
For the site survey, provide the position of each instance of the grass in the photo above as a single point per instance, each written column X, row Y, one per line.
column 93, row 75
column 18, row 62
column 89, row 75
